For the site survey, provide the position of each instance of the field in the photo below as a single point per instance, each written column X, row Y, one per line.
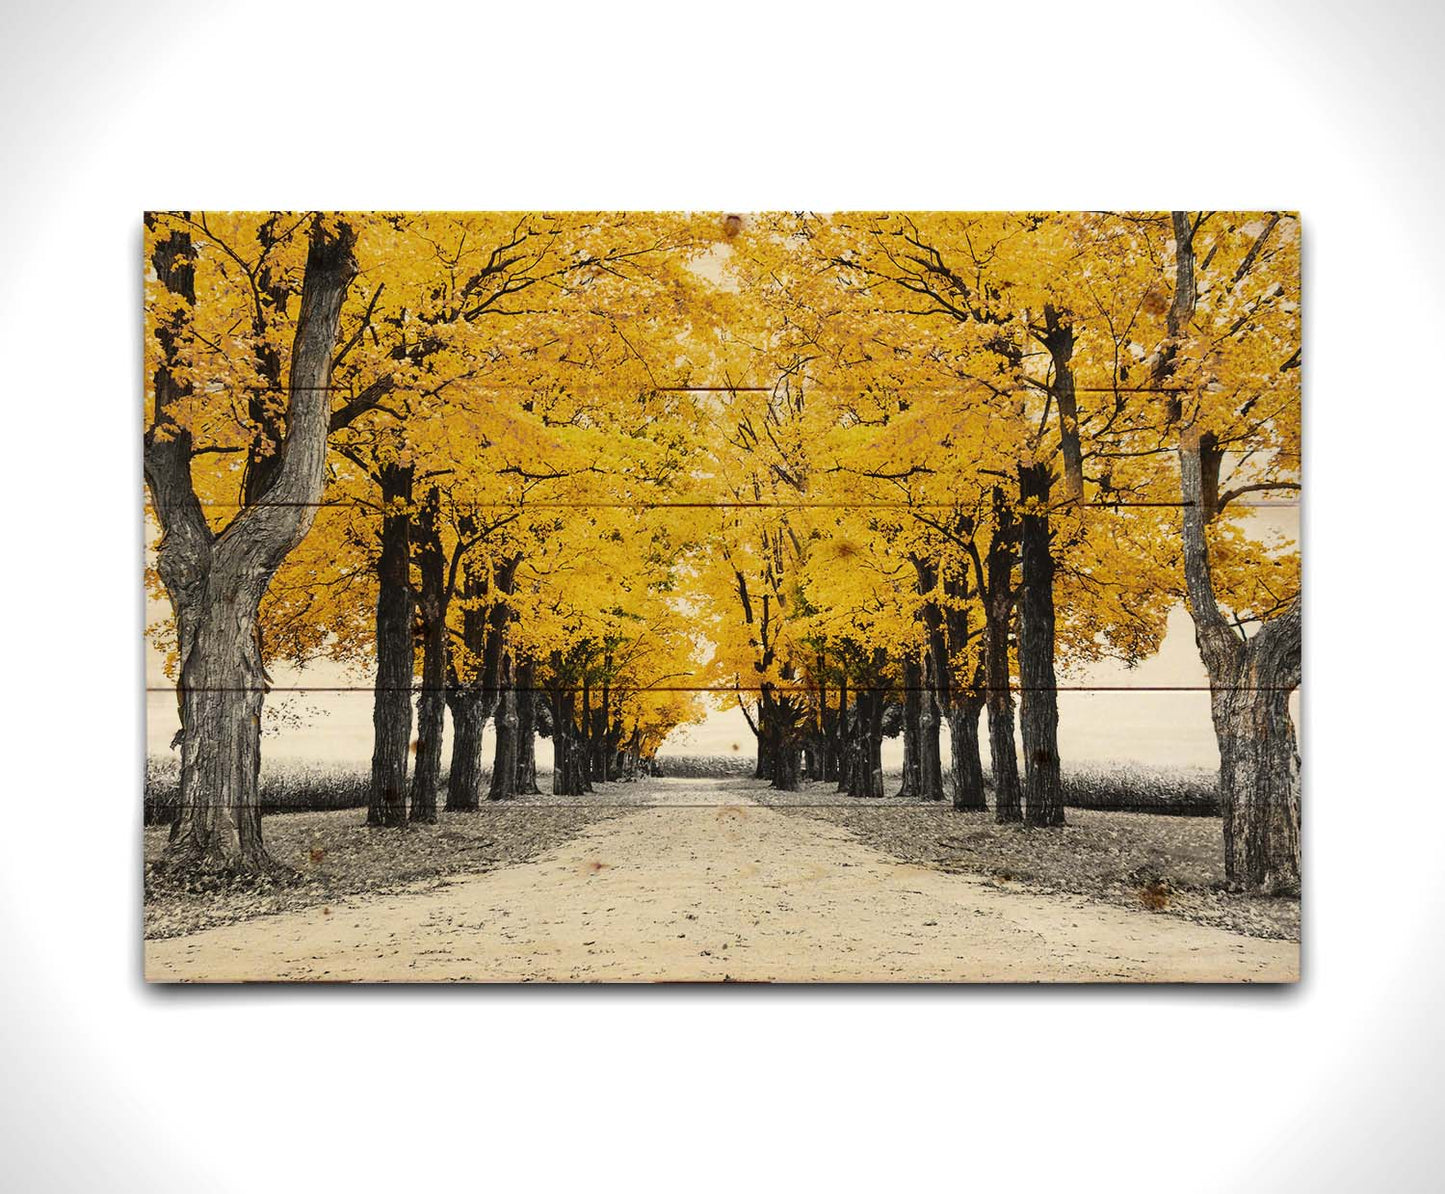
column 320, row 787
column 1133, row 788
column 705, row 766
column 285, row 788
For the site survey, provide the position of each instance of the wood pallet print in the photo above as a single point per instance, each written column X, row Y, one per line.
column 706, row 597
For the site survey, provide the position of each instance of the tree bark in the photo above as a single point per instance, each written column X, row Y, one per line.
column 1039, row 714
column 771, row 741
column 1259, row 764
column 1058, row 338
column 968, row 793
column 395, row 657
column 504, row 761
column 469, row 712
column 567, row 762
column 826, row 760
column 966, row 701
column 930, row 755
column 938, row 695
column 912, row 786
column 218, row 581
column 602, row 739
column 526, row 729
column 998, row 613
column 431, row 706
column 223, row 687
column 847, row 719
column 473, row 699
column 866, row 778
column 875, row 748
column 1250, row 681
column 561, row 740
column 786, row 770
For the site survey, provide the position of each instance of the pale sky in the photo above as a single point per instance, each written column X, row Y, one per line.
column 1153, row 728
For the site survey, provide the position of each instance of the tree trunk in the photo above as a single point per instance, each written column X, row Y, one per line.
column 767, row 736
column 827, row 756
column 223, row 686
column 844, row 739
column 786, row 773
column 633, row 748
column 967, row 763
column 1250, row 681
column 395, row 660
column 835, row 734
column 431, row 706
column 1058, row 338
column 875, row 750
column 217, row 583
column 998, row 613
column 1039, row 715
column 526, row 729
column 930, row 755
column 763, row 767
column 778, row 728
column 867, row 771
column 602, row 728
column 556, row 698
column 615, row 737
column 912, row 785
column 1259, row 766
column 582, row 752
column 184, row 555
column 504, row 763
column 473, row 700
column 938, row 696
column 567, row 762
column 470, row 710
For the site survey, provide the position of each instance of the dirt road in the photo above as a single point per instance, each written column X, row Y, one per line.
column 700, row 884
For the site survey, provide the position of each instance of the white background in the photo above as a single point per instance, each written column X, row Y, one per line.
column 1331, row 108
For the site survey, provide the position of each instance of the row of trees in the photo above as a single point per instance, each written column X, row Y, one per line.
column 429, row 445
column 555, row 471
column 984, row 449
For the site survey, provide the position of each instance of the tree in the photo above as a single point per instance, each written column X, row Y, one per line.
column 216, row 580
column 1232, row 349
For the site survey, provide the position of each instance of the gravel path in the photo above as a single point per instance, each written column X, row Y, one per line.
column 702, row 884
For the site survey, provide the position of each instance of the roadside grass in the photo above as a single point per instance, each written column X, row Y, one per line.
column 297, row 787
column 705, row 766
column 1135, row 788
column 291, row 787
column 286, row 787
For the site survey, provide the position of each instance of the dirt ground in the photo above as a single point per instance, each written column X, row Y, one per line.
column 701, row 883
column 1168, row 864
column 336, row 856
